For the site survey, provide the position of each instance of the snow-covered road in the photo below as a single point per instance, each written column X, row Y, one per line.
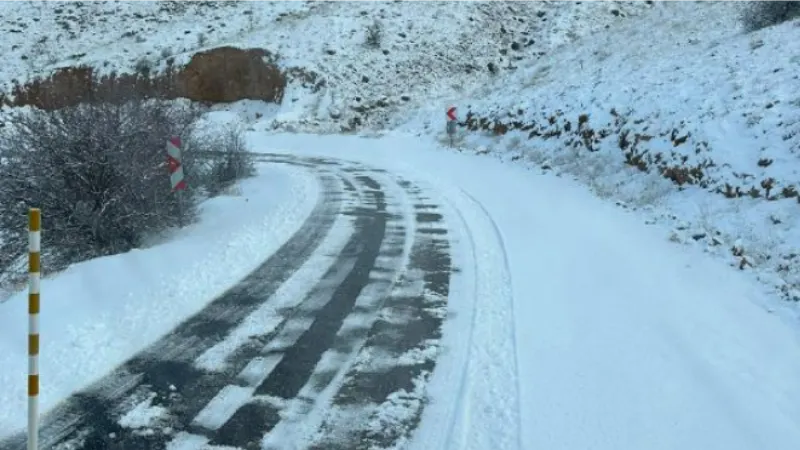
column 587, row 329
column 425, row 300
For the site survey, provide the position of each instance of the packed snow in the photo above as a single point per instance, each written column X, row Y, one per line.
column 143, row 415
column 290, row 294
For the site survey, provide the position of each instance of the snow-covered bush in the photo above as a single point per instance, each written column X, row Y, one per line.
column 758, row 15
column 230, row 162
column 99, row 173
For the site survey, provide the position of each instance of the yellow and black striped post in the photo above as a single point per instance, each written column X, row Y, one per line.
column 34, row 280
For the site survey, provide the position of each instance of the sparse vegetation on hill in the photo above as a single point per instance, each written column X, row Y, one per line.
column 694, row 125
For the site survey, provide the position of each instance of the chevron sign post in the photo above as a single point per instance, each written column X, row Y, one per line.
column 174, row 164
column 176, row 179
column 451, row 123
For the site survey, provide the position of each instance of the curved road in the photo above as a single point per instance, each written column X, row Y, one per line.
column 322, row 369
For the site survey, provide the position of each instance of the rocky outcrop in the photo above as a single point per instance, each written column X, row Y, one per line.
column 220, row 75
column 228, row 74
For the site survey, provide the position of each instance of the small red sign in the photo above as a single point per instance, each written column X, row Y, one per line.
column 451, row 113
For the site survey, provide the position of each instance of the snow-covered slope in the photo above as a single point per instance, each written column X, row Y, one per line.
column 678, row 114
column 427, row 51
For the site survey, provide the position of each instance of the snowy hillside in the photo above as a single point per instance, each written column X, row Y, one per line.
column 668, row 108
column 426, row 51
column 678, row 114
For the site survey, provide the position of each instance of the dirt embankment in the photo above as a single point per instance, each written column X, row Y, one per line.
column 220, row 75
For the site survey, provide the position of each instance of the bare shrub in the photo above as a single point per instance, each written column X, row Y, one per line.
column 220, row 159
column 757, row 15
column 374, row 35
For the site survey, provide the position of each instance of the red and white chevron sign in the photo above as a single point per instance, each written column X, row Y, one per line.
column 174, row 164
column 451, row 113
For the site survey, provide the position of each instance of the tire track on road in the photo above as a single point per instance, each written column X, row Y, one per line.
column 302, row 354
column 392, row 369
column 485, row 410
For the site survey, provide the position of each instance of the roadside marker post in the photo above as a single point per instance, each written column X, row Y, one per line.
column 34, row 306
column 451, row 124
column 176, row 176
column 176, row 179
